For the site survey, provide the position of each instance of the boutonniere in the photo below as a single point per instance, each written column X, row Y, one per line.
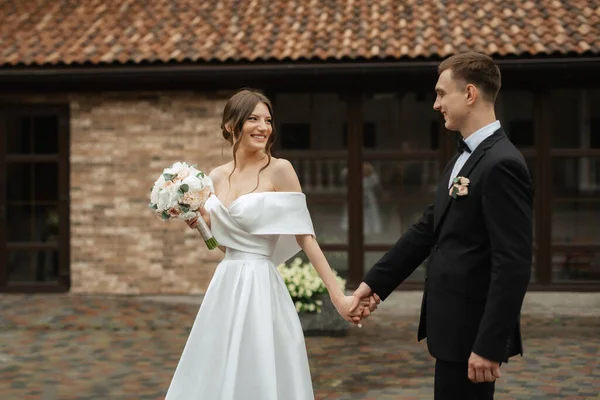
column 460, row 187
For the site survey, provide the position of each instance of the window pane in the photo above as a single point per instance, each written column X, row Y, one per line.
column 577, row 177
column 321, row 115
column 514, row 109
column 33, row 266
column 46, row 181
column 575, row 220
column 18, row 223
column 575, row 118
column 401, row 121
column 395, row 194
column 575, row 216
column 576, row 265
column 295, row 136
column 45, row 135
column 28, row 223
column 19, row 181
column 18, row 140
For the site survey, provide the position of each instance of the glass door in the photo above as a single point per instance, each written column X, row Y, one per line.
column 34, row 199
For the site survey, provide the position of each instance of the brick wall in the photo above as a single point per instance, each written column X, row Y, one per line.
column 120, row 142
column 119, row 145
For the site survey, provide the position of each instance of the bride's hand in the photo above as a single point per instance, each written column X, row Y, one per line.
column 343, row 306
column 193, row 223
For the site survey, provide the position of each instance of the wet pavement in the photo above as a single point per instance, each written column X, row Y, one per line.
column 108, row 347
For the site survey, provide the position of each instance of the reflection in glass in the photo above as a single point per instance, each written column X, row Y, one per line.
column 27, row 223
column 576, row 265
column 33, row 266
column 395, row 195
column 371, row 212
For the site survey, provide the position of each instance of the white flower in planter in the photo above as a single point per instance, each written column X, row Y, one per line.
column 305, row 285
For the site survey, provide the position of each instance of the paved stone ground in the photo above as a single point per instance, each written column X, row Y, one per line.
column 86, row 347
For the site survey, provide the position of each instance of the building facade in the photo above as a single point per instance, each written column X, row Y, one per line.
column 96, row 99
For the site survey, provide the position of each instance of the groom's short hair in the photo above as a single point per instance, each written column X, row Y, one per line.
column 477, row 69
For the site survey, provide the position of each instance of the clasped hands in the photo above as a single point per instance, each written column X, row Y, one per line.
column 359, row 306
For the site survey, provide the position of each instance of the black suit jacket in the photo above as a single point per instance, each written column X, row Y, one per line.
column 480, row 248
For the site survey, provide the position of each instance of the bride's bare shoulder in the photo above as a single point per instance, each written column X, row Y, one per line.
column 281, row 165
column 220, row 172
column 284, row 176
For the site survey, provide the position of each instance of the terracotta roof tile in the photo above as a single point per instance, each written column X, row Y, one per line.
column 41, row 32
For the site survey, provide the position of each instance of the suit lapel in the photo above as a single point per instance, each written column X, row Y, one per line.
column 443, row 199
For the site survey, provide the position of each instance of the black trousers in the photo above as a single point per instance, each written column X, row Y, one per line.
column 452, row 383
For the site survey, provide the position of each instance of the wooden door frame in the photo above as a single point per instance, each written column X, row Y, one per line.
column 61, row 111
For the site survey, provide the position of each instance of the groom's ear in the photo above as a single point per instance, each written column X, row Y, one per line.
column 472, row 93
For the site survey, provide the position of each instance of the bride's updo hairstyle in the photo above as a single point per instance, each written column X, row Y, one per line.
column 236, row 112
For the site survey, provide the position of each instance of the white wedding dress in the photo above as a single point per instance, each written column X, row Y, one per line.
column 247, row 342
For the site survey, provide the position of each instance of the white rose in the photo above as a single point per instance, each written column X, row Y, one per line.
column 164, row 197
column 183, row 173
column 173, row 194
column 154, row 194
column 174, row 169
column 158, row 185
column 311, row 307
column 194, row 183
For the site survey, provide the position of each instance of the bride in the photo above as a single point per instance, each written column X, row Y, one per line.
column 247, row 342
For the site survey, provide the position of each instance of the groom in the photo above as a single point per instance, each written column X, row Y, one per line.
column 478, row 235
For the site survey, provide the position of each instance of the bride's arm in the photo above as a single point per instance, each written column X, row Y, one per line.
column 193, row 223
column 215, row 175
column 286, row 180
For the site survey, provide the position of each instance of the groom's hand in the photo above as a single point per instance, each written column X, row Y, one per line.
column 363, row 292
column 483, row 370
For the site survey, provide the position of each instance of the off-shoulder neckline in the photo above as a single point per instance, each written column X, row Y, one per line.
column 251, row 194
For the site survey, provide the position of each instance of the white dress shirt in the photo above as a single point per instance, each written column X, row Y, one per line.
column 472, row 142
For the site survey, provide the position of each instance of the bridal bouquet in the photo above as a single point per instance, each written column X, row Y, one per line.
column 179, row 193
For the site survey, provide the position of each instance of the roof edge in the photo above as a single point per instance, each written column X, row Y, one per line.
column 303, row 67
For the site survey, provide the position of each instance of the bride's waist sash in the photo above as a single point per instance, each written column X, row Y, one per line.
column 233, row 254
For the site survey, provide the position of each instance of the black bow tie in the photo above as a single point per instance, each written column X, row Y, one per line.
column 462, row 146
